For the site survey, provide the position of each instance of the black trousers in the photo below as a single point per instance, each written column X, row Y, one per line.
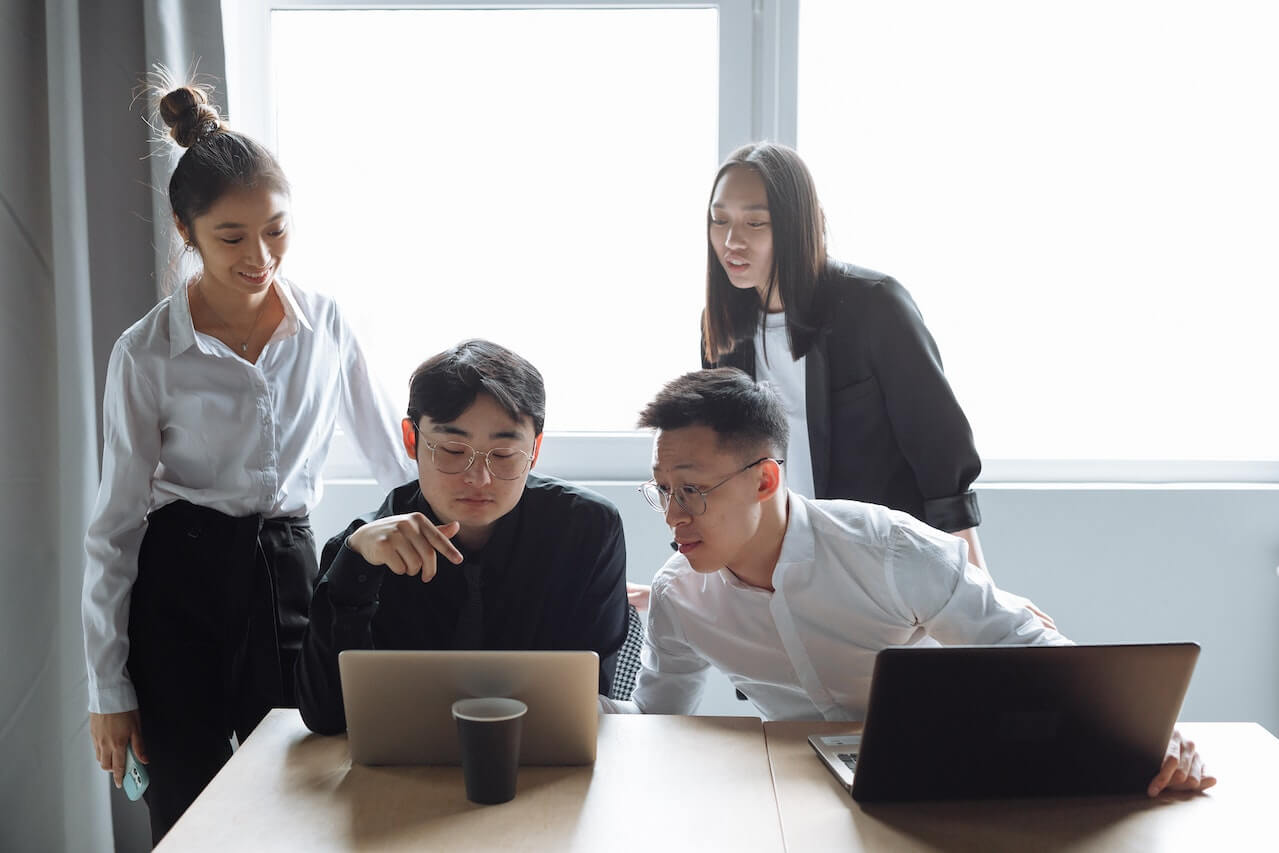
column 216, row 620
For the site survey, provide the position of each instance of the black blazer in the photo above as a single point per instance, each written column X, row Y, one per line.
column 884, row 426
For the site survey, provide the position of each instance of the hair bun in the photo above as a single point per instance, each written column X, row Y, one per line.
column 189, row 115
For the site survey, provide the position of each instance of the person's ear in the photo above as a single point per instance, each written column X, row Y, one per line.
column 537, row 448
column 410, row 437
column 182, row 230
column 770, row 480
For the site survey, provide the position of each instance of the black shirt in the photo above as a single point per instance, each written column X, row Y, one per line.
column 884, row 426
column 552, row 575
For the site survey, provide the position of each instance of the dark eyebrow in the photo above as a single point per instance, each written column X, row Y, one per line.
column 449, row 429
column 513, row 434
column 223, row 226
column 684, row 467
column 762, row 207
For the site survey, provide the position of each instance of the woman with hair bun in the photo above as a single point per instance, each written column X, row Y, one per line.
column 219, row 408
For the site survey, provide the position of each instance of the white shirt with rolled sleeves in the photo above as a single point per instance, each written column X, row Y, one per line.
column 852, row 578
column 184, row 418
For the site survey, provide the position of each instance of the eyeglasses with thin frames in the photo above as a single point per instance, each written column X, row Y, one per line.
column 690, row 498
column 456, row 457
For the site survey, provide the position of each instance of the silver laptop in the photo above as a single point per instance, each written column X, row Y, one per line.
column 398, row 703
column 961, row 722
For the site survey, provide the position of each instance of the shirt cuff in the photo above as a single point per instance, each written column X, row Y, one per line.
column 112, row 700
column 352, row 580
column 956, row 512
column 617, row 706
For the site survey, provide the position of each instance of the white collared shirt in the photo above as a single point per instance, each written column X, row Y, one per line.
column 185, row 418
column 852, row 578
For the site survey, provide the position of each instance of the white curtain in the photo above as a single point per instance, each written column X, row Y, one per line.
column 83, row 245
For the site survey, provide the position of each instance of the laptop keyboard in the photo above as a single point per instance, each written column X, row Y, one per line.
column 849, row 759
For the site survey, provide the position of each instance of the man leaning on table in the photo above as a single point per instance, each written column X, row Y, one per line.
column 530, row 562
column 792, row 598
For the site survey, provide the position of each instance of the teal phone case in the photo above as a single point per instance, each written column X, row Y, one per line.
column 136, row 778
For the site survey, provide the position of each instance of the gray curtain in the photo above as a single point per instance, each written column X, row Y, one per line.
column 84, row 242
column 186, row 37
column 52, row 795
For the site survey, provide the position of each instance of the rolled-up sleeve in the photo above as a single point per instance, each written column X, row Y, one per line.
column 931, row 428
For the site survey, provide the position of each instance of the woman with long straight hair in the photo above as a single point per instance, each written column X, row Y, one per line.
column 219, row 409
column 873, row 417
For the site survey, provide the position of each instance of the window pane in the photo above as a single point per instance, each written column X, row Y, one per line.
column 538, row 178
column 1081, row 197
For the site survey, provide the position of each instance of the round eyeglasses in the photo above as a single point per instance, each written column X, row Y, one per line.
column 690, row 498
column 454, row 457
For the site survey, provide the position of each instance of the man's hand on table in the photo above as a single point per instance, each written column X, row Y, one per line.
column 1183, row 769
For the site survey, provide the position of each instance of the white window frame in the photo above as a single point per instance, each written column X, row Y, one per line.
column 758, row 87
column 758, row 57
column 756, row 101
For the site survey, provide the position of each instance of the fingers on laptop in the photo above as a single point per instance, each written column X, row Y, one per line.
column 1183, row 769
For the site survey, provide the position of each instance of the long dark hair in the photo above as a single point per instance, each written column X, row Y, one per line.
column 799, row 256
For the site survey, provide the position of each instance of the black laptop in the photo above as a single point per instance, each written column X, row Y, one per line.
column 963, row 722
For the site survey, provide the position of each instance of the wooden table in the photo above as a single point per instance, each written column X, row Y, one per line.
column 699, row 784
column 659, row 784
column 1237, row 814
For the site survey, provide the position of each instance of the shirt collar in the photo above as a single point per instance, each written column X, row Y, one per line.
column 182, row 328
column 295, row 318
column 797, row 544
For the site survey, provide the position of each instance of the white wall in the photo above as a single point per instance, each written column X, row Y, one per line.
column 1109, row 564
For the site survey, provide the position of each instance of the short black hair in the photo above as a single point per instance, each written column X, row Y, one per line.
column 445, row 385
column 743, row 413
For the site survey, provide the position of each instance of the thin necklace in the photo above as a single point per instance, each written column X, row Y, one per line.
column 244, row 344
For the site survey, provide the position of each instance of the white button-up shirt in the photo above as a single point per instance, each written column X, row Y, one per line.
column 852, row 578
column 185, row 418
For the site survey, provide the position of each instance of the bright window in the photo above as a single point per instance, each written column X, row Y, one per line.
column 1081, row 197
column 535, row 177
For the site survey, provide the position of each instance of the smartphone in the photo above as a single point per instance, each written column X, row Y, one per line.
column 136, row 777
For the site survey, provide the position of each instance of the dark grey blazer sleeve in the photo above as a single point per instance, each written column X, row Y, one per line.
column 931, row 428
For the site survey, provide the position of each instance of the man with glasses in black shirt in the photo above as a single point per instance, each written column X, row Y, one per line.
column 530, row 562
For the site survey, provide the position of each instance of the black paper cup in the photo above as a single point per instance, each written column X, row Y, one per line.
column 489, row 731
